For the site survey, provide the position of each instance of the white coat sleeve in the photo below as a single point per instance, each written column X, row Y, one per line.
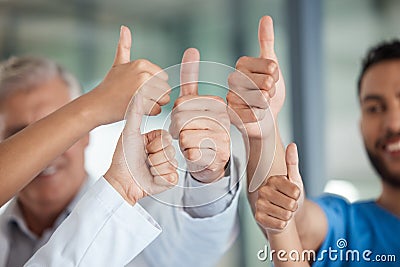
column 102, row 230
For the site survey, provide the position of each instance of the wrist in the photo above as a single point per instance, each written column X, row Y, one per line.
column 119, row 187
column 87, row 110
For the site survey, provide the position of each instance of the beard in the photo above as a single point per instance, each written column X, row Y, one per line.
column 392, row 179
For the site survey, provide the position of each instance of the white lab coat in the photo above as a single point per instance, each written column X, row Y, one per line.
column 103, row 230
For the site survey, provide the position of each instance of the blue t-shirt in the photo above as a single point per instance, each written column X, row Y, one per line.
column 359, row 234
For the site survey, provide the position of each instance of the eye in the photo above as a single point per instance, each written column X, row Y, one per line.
column 374, row 108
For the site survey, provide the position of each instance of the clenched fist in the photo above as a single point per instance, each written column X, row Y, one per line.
column 201, row 123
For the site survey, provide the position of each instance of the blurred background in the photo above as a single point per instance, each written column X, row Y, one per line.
column 320, row 45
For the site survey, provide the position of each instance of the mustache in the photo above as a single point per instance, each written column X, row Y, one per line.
column 389, row 135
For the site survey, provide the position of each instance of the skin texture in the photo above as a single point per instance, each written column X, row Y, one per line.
column 27, row 126
column 380, row 127
column 280, row 195
column 288, row 218
column 201, row 123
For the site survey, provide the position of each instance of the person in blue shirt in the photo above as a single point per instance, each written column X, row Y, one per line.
column 328, row 231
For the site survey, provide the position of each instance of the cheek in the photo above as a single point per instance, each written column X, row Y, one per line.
column 75, row 155
column 369, row 131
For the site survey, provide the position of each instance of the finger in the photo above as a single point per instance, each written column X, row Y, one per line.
column 274, row 211
column 292, row 163
column 269, row 222
column 167, row 180
column 190, row 72
column 204, row 102
column 253, row 98
column 164, row 168
column 157, row 90
column 266, row 38
column 199, row 159
column 285, row 186
column 277, row 198
column 150, row 107
column 248, row 99
column 203, row 139
column 265, row 82
column 247, row 65
column 158, row 140
column 123, row 53
column 134, row 115
column 185, row 122
column 168, row 154
column 244, row 114
column 151, row 71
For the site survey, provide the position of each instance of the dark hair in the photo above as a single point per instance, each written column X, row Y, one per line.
column 381, row 52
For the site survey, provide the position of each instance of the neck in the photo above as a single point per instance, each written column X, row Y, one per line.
column 390, row 199
column 41, row 216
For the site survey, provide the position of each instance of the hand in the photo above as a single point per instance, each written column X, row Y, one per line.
column 281, row 196
column 111, row 97
column 148, row 166
column 202, row 125
column 256, row 85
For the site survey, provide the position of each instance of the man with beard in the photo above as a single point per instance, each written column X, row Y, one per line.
column 339, row 233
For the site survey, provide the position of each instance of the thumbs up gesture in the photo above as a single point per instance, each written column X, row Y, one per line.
column 109, row 100
column 201, row 123
column 281, row 196
column 256, row 85
column 148, row 166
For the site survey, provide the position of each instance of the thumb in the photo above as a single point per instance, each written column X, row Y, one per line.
column 134, row 115
column 190, row 72
column 123, row 53
column 292, row 164
column 266, row 38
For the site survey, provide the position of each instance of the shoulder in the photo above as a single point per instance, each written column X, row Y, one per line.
column 333, row 202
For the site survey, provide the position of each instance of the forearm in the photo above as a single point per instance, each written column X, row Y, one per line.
column 288, row 250
column 28, row 152
column 311, row 231
column 259, row 156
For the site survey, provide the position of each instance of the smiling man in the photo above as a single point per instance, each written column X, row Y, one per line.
column 366, row 232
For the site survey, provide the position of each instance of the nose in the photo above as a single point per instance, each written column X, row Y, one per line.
column 392, row 120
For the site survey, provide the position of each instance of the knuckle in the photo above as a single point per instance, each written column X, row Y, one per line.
column 281, row 225
column 232, row 79
column 259, row 217
column 179, row 101
column 225, row 155
column 263, row 191
column 141, row 63
column 272, row 180
column 183, row 139
column 267, row 82
column 191, row 154
column 143, row 76
column 272, row 67
column 150, row 159
column 296, row 192
column 172, row 178
column 287, row 215
column 292, row 204
column 241, row 61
